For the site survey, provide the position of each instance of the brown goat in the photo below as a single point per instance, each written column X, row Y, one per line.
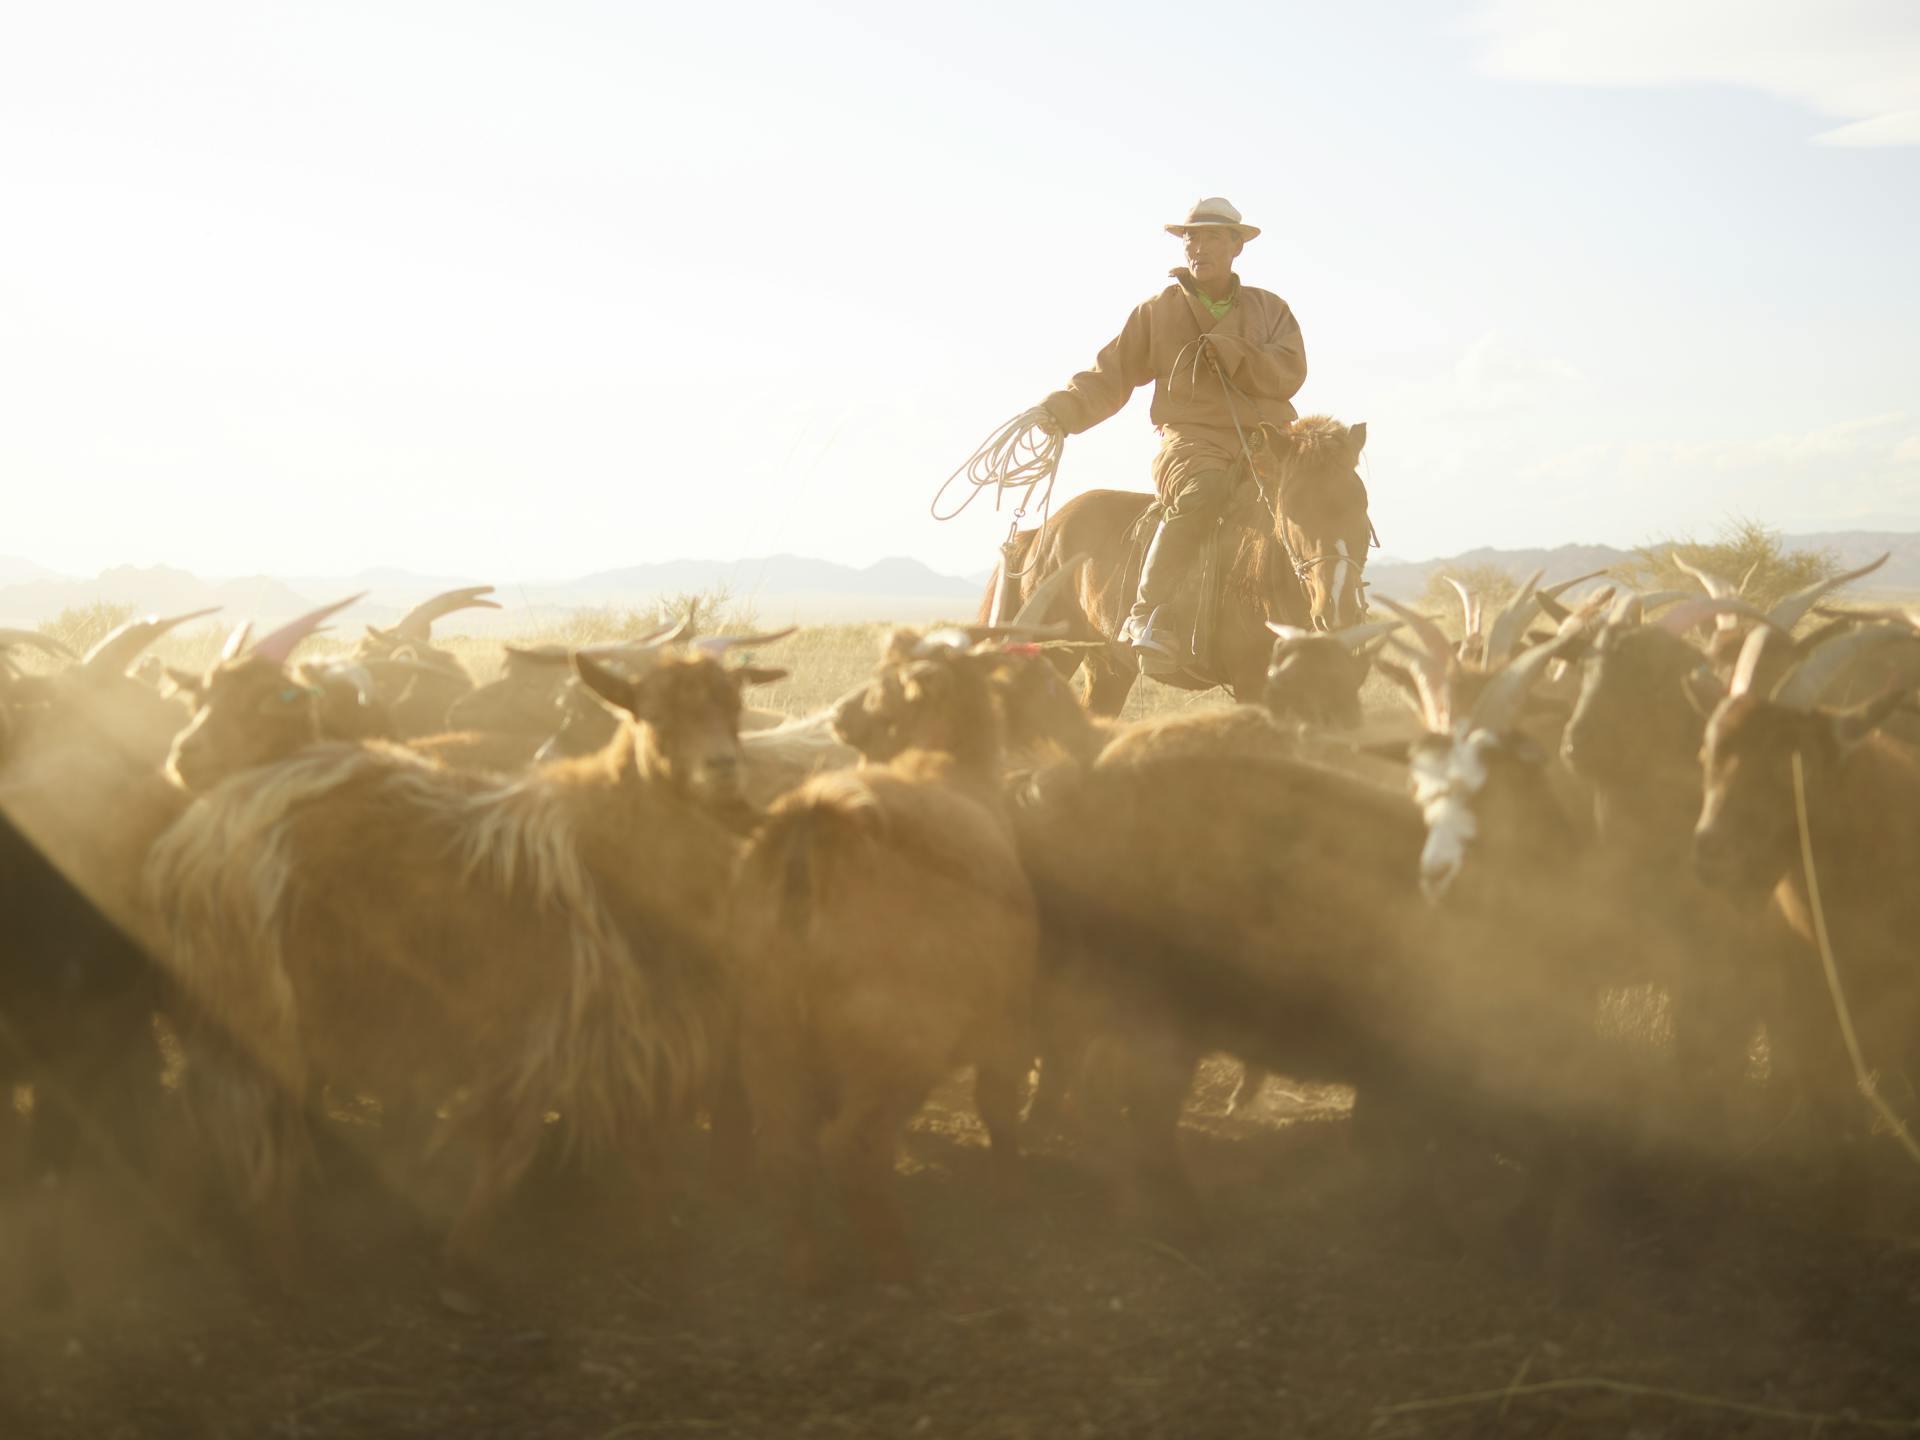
column 886, row 936
column 1726, row 963
column 1862, row 794
column 418, row 691
column 553, row 944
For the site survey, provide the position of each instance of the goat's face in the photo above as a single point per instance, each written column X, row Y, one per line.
column 1489, row 811
column 936, row 700
column 687, row 714
column 1634, row 715
column 246, row 713
column 1747, row 836
column 902, row 708
column 1315, row 680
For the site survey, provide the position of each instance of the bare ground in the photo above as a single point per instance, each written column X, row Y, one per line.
column 1310, row 1306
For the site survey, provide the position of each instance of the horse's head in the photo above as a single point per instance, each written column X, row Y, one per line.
column 1320, row 513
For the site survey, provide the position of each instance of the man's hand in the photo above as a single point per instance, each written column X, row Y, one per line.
column 1210, row 355
column 1042, row 419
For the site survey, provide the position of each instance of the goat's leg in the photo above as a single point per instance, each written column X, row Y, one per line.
column 1156, row 1077
column 507, row 1139
column 254, row 1123
column 785, row 1113
column 859, row 1148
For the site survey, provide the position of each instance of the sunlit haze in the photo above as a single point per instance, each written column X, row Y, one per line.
column 528, row 291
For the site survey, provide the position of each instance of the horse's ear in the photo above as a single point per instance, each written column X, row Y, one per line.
column 1358, row 433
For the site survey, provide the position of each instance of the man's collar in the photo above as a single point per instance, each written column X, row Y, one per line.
column 1192, row 286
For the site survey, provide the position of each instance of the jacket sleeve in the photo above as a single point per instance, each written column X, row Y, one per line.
column 1123, row 367
column 1274, row 367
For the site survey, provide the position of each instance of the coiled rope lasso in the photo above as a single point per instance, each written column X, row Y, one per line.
column 1022, row 455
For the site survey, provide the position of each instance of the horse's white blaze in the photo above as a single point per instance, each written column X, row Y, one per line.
column 1340, row 579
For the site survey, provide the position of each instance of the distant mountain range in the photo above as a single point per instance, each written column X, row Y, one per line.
column 1407, row 579
column 779, row 588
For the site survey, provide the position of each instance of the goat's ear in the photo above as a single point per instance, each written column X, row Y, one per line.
column 899, row 645
column 1357, row 432
column 613, row 689
column 1704, row 689
column 744, row 675
column 1850, row 727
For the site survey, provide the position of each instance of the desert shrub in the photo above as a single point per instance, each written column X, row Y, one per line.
column 81, row 627
column 1746, row 549
column 714, row 612
column 1493, row 585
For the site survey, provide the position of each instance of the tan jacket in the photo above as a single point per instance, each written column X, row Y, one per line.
column 1258, row 343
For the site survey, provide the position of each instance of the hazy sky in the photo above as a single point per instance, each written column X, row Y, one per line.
column 524, row 290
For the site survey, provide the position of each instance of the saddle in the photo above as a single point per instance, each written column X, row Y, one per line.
column 1195, row 606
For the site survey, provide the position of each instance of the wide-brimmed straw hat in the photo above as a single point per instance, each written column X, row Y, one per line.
column 1214, row 212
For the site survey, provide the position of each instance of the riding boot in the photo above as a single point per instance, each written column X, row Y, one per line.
column 1169, row 557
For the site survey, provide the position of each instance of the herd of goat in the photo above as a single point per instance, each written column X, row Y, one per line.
column 600, row 898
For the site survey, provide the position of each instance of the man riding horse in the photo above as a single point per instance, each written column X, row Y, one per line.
column 1224, row 358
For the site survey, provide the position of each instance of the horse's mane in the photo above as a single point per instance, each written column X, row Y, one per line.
column 1312, row 435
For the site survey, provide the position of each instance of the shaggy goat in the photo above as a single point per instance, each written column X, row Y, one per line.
column 552, row 944
column 886, row 935
column 1862, row 793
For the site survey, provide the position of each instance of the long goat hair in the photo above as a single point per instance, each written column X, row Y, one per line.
column 309, row 902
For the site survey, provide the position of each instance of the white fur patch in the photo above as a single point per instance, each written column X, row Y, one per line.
column 1340, row 580
column 1444, row 783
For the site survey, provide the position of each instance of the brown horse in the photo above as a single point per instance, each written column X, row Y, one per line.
column 1300, row 563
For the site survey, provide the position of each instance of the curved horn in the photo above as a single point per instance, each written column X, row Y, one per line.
column 417, row 623
column 1745, row 667
column 1499, row 704
column 278, row 645
column 1294, row 632
column 1583, row 614
column 1789, row 611
column 1432, row 665
column 1560, row 587
column 1828, row 663
column 718, row 645
column 1469, row 610
column 33, row 639
column 236, row 640
column 1548, row 596
column 1511, row 622
column 1033, row 613
column 1717, row 587
column 122, row 646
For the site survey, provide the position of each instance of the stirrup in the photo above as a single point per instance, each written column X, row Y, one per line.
column 1155, row 647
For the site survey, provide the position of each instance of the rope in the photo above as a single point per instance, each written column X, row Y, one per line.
column 1862, row 1076
column 1023, row 455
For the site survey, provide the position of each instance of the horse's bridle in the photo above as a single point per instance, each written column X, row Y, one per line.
column 1274, row 504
